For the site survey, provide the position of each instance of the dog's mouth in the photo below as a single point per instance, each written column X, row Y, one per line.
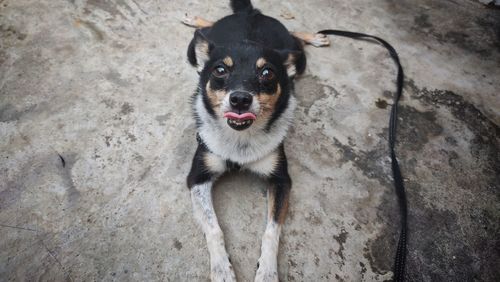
column 239, row 121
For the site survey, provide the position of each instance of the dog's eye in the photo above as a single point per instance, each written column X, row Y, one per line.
column 266, row 74
column 220, row 71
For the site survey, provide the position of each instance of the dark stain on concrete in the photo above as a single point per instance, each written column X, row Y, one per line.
column 10, row 31
column 162, row 118
column 316, row 260
column 338, row 278
column 366, row 161
column 8, row 112
column 341, row 239
column 445, row 244
column 432, row 20
column 110, row 103
column 11, row 193
column 422, row 21
column 145, row 173
column 107, row 140
column 115, row 77
column 314, row 219
column 177, row 244
column 381, row 103
column 486, row 133
column 138, row 157
column 441, row 248
column 363, row 270
column 130, row 136
column 126, row 109
column 3, row 57
column 124, row 4
column 416, row 128
column 308, row 90
column 34, row 171
column 109, row 7
column 69, row 160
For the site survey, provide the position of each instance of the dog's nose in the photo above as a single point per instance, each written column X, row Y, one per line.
column 240, row 101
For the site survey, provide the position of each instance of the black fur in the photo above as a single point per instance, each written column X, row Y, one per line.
column 241, row 6
column 199, row 173
column 282, row 183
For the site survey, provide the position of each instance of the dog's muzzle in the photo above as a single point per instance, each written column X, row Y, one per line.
column 239, row 118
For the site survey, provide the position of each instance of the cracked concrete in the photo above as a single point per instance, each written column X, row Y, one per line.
column 106, row 86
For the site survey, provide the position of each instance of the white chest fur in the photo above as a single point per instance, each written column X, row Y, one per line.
column 244, row 146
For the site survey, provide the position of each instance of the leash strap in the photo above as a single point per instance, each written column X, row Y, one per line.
column 400, row 257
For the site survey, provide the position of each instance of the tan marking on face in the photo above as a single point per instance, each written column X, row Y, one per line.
column 201, row 50
column 291, row 70
column 215, row 96
column 228, row 61
column 260, row 62
column 267, row 103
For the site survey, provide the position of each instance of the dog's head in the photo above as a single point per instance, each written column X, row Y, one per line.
column 245, row 83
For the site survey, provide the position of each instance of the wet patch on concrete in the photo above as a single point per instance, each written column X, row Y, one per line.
column 485, row 143
column 308, row 91
column 381, row 103
column 449, row 240
column 177, row 244
column 126, row 109
column 115, row 77
column 416, row 128
column 8, row 112
column 433, row 19
column 445, row 243
column 109, row 7
column 162, row 118
column 66, row 166
column 8, row 31
column 110, row 103
column 341, row 239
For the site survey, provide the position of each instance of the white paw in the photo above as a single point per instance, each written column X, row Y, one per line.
column 266, row 274
column 221, row 270
column 319, row 40
column 189, row 21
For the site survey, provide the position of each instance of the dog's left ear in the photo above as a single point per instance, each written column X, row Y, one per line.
column 294, row 61
column 199, row 49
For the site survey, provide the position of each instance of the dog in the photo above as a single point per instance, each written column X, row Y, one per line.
column 243, row 108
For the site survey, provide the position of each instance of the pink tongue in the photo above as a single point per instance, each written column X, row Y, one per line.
column 243, row 116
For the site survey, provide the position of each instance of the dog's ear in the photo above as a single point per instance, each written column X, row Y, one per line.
column 294, row 61
column 199, row 49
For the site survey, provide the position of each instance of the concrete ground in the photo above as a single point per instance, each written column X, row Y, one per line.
column 105, row 85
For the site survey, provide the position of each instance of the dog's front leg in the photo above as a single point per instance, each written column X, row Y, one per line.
column 205, row 169
column 277, row 205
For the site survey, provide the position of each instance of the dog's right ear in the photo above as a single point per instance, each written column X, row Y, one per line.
column 199, row 49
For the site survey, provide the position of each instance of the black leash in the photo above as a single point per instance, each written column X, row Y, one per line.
column 400, row 257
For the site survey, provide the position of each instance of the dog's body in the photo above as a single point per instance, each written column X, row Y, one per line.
column 243, row 108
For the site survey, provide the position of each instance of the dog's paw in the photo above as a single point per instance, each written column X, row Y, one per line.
column 221, row 270
column 189, row 21
column 319, row 40
column 266, row 274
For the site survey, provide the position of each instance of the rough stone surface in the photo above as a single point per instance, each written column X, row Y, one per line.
column 96, row 139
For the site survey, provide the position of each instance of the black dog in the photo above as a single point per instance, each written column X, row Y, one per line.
column 243, row 108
